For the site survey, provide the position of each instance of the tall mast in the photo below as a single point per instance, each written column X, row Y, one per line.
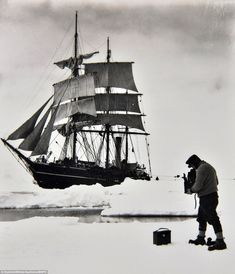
column 107, row 126
column 75, row 74
column 75, row 70
column 108, row 51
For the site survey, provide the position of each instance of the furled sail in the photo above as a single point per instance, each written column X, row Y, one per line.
column 66, row 110
column 70, row 62
column 43, row 144
column 75, row 87
column 117, row 102
column 117, row 74
column 33, row 138
column 67, row 63
column 68, row 128
column 24, row 130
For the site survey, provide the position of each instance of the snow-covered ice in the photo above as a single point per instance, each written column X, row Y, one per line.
column 65, row 245
column 130, row 198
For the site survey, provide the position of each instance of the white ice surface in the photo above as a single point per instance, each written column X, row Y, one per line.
column 63, row 245
column 130, row 198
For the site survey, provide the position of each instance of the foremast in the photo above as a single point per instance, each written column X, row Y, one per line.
column 75, row 74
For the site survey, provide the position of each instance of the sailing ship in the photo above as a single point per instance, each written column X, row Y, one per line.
column 95, row 112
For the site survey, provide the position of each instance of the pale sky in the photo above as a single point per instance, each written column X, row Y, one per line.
column 184, row 64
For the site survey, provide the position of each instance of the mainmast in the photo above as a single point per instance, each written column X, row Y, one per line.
column 75, row 74
column 107, row 126
column 127, row 146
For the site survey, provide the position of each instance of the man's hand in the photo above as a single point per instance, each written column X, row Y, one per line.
column 184, row 177
column 188, row 191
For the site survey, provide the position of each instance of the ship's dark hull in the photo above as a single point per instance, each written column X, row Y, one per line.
column 61, row 176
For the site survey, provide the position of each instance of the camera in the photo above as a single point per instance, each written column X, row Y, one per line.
column 189, row 180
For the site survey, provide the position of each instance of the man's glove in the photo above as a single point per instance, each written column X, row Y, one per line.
column 189, row 191
column 184, row 177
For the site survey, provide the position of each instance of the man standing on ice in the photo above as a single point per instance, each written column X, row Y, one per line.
column 206, row 188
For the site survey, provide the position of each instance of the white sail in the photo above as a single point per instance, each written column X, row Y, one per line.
column 66, row 110
column 83, row 86
column 24, row 130
column 31, row 141
column 117, row 102
column 117, row 75
column 129, row 120
column 43, row 144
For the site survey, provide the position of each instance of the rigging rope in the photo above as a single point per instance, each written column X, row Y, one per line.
column 98, row 158
column 133, row 148
column 39, row 84
column 82, row 148
column 87, row 147
column 18, row 160
column 93, row 144
column 81, row 40
column 146, row 141
column 52, row 143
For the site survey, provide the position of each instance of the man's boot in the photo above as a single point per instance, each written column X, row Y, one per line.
column 199, row 241
column 219, row 245
column 209, row 242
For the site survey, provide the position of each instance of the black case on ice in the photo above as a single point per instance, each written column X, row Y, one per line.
column 162, row 236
